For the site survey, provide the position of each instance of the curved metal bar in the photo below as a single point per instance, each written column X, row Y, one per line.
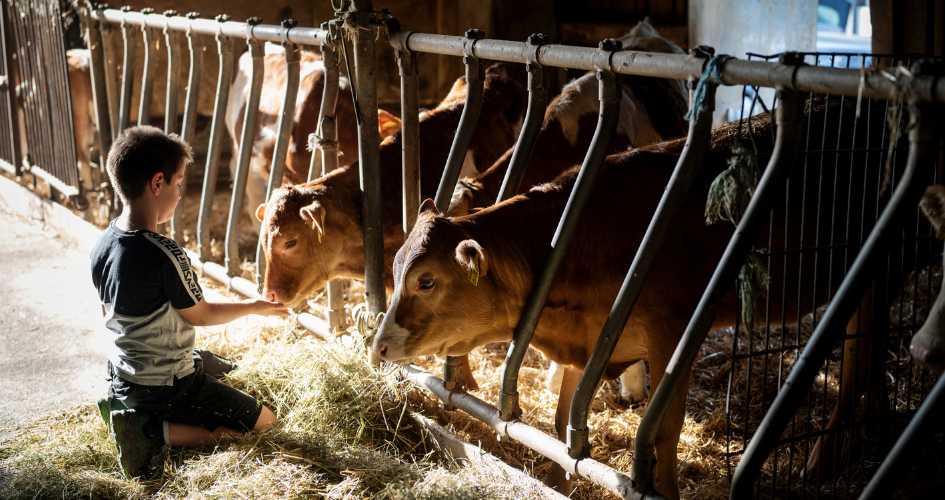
column 475, row 83
column 895, row 468
column 922, row 152
column 225, row 51
column 606, row 127
column 250, row 118
column 127, row 77
column 196, row 46
column 328, row 153
column 173, row 81
column 409, row 64
column 111, row 75
column 97, row 70
column 697, row 143
column 277, row 170
column 261, row 32
column 534, row 117
column 756, row 214
column 147, row 78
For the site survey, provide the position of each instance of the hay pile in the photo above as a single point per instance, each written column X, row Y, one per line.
column 342, row 436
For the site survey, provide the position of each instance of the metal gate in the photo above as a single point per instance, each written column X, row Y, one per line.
column 9, row 145
column 43, row 90
column 359, row 21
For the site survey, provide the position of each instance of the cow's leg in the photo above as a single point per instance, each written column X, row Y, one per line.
column 471, row 384
column 556, row 477
column 633, row 383
column 854, row 381
column 661, row 344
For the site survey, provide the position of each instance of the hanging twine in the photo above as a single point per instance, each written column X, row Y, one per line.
column 315, row 141
column 713, row 70
column 902, row 92
column 728, row 198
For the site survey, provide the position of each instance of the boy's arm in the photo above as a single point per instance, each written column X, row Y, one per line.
column 216, row 313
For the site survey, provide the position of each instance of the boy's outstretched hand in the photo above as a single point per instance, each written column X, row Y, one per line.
column 266, row 308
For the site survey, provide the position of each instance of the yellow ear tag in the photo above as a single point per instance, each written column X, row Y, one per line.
column 474, row 272
column 320, row 233
column 940, row 234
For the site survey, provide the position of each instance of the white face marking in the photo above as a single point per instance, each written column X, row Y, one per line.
column 633, row 383
column 392, row 334
column 456, row 202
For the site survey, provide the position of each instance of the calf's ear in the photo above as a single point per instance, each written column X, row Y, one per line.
column 261, row 212
column 472, row 258
column 428, row 207
column 933, row 204
column 314, row 217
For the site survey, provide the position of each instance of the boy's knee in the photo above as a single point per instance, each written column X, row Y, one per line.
column 266, row 419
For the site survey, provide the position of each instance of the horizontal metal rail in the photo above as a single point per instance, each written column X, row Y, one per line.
column 587, row 468
column 835, row 81
column 259, row 32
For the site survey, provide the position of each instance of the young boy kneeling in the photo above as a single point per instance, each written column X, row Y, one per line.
column 162, row 390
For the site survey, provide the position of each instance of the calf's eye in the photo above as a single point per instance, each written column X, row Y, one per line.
column 426, row 284
column 290, row 243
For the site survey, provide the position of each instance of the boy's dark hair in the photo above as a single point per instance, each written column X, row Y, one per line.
column 139, row 153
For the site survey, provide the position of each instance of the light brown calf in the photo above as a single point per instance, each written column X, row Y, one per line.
column 436, row 309
column 651, row 110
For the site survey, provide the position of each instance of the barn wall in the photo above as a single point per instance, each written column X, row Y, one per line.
column 908, row 26
column 736, row 27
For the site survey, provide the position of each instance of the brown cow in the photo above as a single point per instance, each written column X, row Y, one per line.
column 300, row 260
column 436, row 309
column 304, row 120
column 651, row 110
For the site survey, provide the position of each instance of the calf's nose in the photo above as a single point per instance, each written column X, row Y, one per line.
column 930, row 356
column 269, row 295
column 381, row 349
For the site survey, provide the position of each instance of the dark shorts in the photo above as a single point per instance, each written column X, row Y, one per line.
column 197, row 399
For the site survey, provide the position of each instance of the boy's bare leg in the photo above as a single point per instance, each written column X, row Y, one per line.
column 194, row 435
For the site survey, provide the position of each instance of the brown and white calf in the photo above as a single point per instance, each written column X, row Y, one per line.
column 436, row 309
column 928, row 344
column 304, row 120
column 651, row 110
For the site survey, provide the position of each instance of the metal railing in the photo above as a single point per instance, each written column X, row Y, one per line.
column 359, row 22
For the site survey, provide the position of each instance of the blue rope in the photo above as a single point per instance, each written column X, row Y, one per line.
column 714, row 70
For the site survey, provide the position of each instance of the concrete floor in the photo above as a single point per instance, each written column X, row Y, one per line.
column 50, row 354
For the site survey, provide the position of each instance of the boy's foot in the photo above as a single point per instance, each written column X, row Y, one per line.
column 106, row 406
column 135, row 450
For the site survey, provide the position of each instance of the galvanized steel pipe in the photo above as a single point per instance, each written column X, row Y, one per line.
column 475, row 82
column 610, row 94
column 148, row 36
column 247, row 137
column 99, row 98
column 781, row 162
column 923, row 151
column 127, row 77
column 196, row 46
column 172, row 39
column 225, row 51
column 697, row 143
column 409, row 64
column 283, row 132
column 534, row 117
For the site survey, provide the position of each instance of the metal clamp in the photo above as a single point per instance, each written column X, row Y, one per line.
column 287, row 24
column 607, row 48
column 469, row 43
column 170, row 13
column 127, row 8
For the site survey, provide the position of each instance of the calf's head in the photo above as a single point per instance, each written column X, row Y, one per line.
column 302, row 244
column 445, row 301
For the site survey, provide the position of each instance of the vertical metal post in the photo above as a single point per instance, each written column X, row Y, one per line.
column 610, row 93
column 475, row 82
column 172, row 38
column 922, row 153
column 697, row 143
column 361, row 22
column 111, row 75
column 283, row 131
column 409, row 65
column 149, row 38
column 225, row 51
column 127, row 74
column 196, row 45
column 99, row 96
column 327, row 137
column 756, row 214
column 534, row 117
column 232, row 260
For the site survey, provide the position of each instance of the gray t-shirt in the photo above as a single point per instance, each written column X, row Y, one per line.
column 143, row 278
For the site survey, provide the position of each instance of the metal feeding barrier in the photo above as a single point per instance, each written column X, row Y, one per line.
column 359, row 22
column 40, row 84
